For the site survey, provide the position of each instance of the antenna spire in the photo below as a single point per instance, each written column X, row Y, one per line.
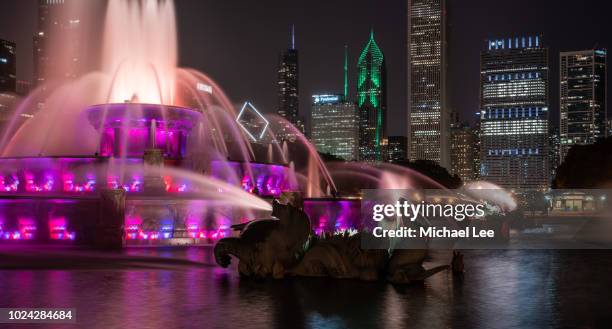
column 345, row 72
column 293, row 36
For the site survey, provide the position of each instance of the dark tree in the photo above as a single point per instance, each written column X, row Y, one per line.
column 434, row 171
column 586, row 166
column 327, row 157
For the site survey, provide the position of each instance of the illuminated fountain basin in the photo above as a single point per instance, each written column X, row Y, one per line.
column 43, row 190
column 127, row 131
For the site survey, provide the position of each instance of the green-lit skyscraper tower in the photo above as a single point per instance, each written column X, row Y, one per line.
column 372, row 101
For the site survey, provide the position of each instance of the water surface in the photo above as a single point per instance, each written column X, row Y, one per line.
column 500, row 289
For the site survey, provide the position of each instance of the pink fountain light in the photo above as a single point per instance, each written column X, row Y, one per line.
column 27, row 229
column 140, row 51
column 58, row 229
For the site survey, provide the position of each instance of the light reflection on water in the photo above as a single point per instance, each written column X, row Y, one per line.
column 501, row 289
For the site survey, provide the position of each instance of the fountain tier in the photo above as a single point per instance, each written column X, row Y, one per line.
column 127, row 129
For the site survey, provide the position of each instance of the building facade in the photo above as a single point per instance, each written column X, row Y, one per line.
column 582, row 98
column 60, row 50
column 8, row 67
column 514, row 112
column 397, row 149
column 334, row 128
column 428, row 119
column 463, row 151
column 371, row 101
column 554, row 150
column 288, row 84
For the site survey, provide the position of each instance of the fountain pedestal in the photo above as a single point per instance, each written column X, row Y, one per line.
column 153, row 163
column 110, row 231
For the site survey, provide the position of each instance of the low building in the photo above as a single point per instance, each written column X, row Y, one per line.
column 334, row 128
column 463, row 151
column 397, row 149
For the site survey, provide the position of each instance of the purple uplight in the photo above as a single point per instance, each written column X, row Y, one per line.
column 34, row 185
column 328, row 215
column 70, row 185
column 193, row 230
column 268, row 179
column 27, row 229
column 247, row 185
column 175, row 187
column 58, row 229
column 9, row 185
column 132, row 227
column 134, row 186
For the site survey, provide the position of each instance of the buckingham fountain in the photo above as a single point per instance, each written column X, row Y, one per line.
column 143, row 152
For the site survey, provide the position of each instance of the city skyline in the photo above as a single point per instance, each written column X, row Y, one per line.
column 470, row 24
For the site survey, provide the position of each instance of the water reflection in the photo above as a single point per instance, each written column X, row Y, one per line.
column 501, row 289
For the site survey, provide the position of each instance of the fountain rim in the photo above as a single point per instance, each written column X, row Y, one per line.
column 102, row 158
column 340, row 198
column 185, row 116
column 286, row 165
column 157, row 105
column 68, row 157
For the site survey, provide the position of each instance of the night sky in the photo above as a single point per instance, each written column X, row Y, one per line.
column 237, row 42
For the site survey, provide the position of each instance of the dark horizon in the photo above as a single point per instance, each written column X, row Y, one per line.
column 238, row 45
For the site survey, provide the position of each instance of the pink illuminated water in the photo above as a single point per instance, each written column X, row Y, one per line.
column 140, row 51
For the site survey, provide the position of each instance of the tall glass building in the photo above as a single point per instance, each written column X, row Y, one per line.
column 582, row 102
column 514, row 112
column 371, row 101
column 288, row 104
column 60, row 45
column 334, row 126
column 8, row 68
column 428, row 120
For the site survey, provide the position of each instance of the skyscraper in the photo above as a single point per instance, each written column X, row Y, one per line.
column 514, row 112
column 371, row 101
column 334, row 126
column 8, row 68
column 428, row 119
column 288, row 91
column 582, row 101
column 59, row 48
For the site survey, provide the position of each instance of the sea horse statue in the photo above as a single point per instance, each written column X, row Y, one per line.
column 286, row 246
